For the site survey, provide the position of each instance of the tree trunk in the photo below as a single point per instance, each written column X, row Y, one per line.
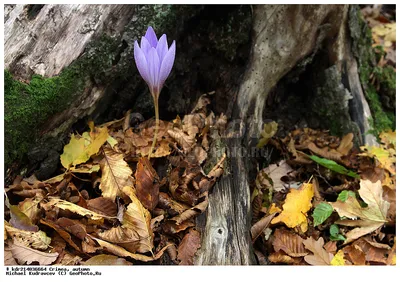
column 270, row 49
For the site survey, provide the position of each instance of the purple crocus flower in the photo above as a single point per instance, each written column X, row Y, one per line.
column 154, row 60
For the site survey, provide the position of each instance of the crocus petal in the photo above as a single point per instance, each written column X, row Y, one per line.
column 166, row 64
column 141, row 62
column 154, row 68
column 145, row 45
column 162, row 47
column 151, row 37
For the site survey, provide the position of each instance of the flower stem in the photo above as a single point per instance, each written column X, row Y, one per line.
column 157, row 124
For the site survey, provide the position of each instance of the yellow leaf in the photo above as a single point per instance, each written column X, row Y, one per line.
column 296, row 206
column 274, row 209
column 116, row 174
column 37, row 240
column 387, row 157
column 80, row 149
column 388, row 137
column 338, row 259
column 371, row 217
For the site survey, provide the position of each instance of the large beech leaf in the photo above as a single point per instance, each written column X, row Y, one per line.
column 320, row 255
column 289, row 242
column 147, row 187
column 296, row 206
column 80, row 149
column 369, row 218
column 135, row 233
column 27, row 255
column 116, row 174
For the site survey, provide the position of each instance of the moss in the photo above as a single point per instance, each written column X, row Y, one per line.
column 385, row 78
column 27, row 106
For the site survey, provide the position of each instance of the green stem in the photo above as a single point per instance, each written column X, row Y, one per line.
column 157, row 123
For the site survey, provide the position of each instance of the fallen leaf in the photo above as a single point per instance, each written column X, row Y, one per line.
column 321, row 212
column 106, row 260
column 135, row 234
column 27, row 255
column 63, row 234
column 30, row 208
column 371, row 217
column 190, row 213
column 258, row 228
column 19, row 219
column 289, row 242
column 37, row 240
column 185, row 141
column 8, row 258
column 116, row 174
column 271, row 176
column 80, row 149
column 338, row 259
column 65, row 205
column 119, row 251
column 188, row 247
column 386, row 157
column 280, row 257
column 147, row 186
column 296, row 206
column 102, row 205
column 320, row 255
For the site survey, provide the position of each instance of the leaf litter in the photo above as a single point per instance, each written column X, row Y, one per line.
column 111, row 205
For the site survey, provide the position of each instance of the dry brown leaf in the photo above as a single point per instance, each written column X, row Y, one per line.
column 170, row 227
column 331, row 247
column 185, row 141
column 27, row 255
column 197, row 156
column 320, row 255
column 173, row 207
column 65, row 205
column 198, row 209
column 106, row 260
column 289, row 242
column 147, row 186
column 72, row 226
column 271, row 176
column 135, row 234
column 102, row 205
column 374, row 252
column 280, row 257
column 258, row 228
column 116, row 174
column 64, row 234
column 188, row 247
column 355, row 254
column 119, row 251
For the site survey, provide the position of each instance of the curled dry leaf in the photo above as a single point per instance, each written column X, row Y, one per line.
column 116, row 174
column 258, row 228
column 289, row 242
column 170, row 227
column 28, row 255
column 185, row 141
column 173, row 207
column 30, row 208
column 147, row 186
column 188, row 247
column 280, row 257
column 190, row 213
column 320, row 255
column 106, row 260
